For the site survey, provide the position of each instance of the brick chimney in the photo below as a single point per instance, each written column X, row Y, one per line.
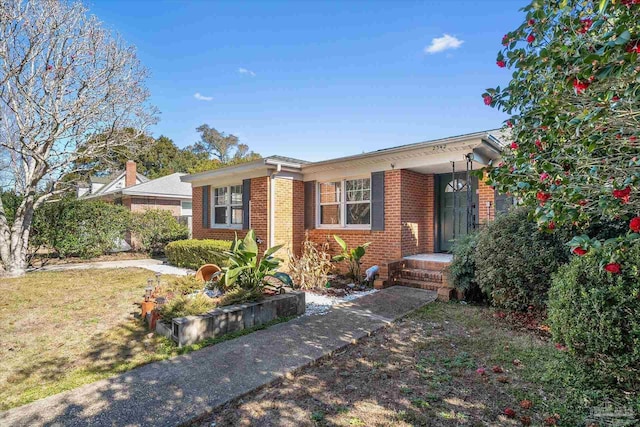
column 130, row 173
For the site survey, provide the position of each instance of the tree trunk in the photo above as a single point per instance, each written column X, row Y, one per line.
column 14, row 243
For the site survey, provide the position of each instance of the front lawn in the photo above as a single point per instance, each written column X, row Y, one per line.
column 423, row 370
column 59, row 330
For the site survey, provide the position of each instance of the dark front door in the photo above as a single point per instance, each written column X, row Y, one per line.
column 452, row 208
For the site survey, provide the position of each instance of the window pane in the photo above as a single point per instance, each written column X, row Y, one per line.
column 220, row 197
column 220, row 215
column 236, row 215
column 236, row 195
column 330, row 214
column 359, row 213
column 358, row 190
column 330, row 192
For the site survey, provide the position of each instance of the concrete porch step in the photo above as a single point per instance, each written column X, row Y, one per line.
column 419, row 284
column 425, row 264
column 421, row 274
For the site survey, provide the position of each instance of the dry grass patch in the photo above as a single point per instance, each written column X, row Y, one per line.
column 422, row 371
column 60, row 330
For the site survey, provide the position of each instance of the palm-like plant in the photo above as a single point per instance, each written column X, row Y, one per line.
column 248, row 271
column 353, row 257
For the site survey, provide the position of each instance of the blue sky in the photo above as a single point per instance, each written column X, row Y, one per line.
column 321, row 79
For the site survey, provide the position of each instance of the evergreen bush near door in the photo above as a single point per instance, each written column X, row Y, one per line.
column 597, row 315
column 514, row 261
column 195, row 253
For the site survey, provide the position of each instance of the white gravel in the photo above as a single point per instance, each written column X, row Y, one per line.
column 320, row 304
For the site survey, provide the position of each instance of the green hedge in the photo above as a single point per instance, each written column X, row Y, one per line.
column 156, row 228
column 597, row 315
column 195, row 253
column 514, row 261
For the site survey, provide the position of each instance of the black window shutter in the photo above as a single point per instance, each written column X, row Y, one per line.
column 377, row 201
column 246, row 197
column 206, row 206
column 310, row 205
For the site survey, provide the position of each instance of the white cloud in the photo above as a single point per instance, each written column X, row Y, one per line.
column 201, row 97
column 245, row 71
column 440, row 44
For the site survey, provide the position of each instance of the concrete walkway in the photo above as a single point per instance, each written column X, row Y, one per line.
column 178, row 390
column 149, row 264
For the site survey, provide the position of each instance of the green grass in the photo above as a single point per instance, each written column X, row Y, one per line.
column 61, row 330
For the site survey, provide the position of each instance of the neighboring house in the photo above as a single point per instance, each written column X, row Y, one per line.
column 409, row 201
column 138, row 193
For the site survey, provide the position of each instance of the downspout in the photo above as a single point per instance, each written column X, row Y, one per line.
column 272, row 207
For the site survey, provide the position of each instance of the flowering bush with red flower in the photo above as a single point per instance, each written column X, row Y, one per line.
column 574, row 111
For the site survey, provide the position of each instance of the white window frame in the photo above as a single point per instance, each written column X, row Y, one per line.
column 182, row 208
column 228, row 204
column 342, row 204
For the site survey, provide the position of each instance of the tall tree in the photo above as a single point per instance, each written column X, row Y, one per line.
column 574, row 101
column 225, row 148
column 64, row 80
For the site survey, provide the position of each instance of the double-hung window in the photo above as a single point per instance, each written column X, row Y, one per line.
column 227, row 206
column 345, row 203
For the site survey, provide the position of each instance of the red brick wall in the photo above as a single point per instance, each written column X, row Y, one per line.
column 141, row 204
column 259, row 215
column 385, row 245
column 486, row 195
column 298, row 216
column 417, row 212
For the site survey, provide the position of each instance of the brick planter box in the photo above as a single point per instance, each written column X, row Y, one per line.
column 232, row 318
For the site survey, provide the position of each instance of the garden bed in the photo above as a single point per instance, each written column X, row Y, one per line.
column 224, row 320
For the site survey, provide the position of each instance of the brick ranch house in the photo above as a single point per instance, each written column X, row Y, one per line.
column 138, row 193
column 409, row 201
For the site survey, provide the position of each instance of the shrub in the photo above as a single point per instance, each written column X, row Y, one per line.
column 185, row 305
column 514, row 261
column 155, row 228
column 310, row 270
column 195, row 253
column 597, row 315
column 84, row 228
column 353, row 258
column 462, row 270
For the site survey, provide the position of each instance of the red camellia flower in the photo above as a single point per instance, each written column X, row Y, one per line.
column 505, row 39
column 509, row 124
column 634, row 224
column 514, row 145
column 613, row 268
column 615, row 99
column 543, row 197
column 586, row 24
column 487, row 99
column 531, row 22
column 509, row 412
column 622, row 195
column 531, row 38
column 633, row 46
column 501, row 64
column 579, row 251
column 583, row 202
column 544, row 176
column 551, row 225
column 580, row 86
column 539, row 144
